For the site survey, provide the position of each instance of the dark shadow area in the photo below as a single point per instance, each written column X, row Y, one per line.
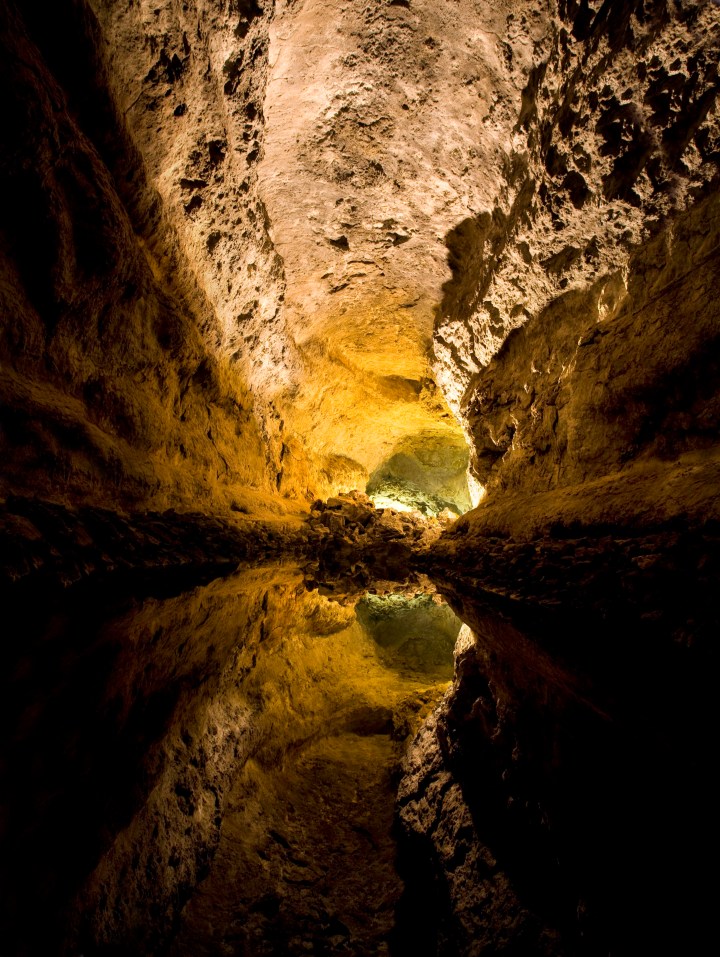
column 581, row 754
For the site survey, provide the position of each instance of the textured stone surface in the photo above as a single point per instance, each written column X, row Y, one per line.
column 596, row 436
column 611, row 378
column 110, row 391
column 616, row 129
column 354, row 542
column 579, row 332
column 296, row 175
column 45, row 544
column 382, row 121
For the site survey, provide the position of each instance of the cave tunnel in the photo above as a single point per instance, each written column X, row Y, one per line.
column 427, row 473
column 360, row 483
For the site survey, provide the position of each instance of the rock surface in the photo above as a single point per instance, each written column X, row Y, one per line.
column 47, row 545
column 614, row 381
column 254, row 211
column 111, row 393
column 578, row 338
column 616, row 130
column 382, row 121
column 352, row 541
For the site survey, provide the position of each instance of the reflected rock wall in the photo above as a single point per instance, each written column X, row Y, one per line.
column 187, row 773
column 558, row 801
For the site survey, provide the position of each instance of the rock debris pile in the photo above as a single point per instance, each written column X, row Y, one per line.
column 352, row 540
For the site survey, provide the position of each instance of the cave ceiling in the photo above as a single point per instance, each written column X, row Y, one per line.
column 293, row 237
column 313, row 158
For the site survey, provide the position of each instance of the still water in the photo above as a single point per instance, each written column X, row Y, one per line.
column 219, row 769
column 214, row 771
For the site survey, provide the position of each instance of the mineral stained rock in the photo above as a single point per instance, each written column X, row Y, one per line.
column 235, row 279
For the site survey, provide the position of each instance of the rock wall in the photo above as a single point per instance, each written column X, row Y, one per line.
column 263, row 189
column 579, row 331
column 615, row 131
column 311, row 158
column 596, row 431
column 613, row 377
column 225, row 244
column 382, row 122
column 112, row 390
column 190, row 83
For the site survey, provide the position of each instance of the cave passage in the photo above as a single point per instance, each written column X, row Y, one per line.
column 264, row 265
column 426, row 472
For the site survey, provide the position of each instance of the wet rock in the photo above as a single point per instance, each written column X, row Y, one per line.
column 44, row 544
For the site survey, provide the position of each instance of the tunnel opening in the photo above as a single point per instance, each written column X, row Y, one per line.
column 427, row 472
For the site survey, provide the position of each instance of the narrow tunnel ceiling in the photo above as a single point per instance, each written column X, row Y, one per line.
column 313, row 194
column 374, row 147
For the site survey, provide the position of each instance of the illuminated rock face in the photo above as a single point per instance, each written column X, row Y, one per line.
column 294, row 152
column 110, row 391
column 382, row 121
column 601, row 254
column 615, row 130
column 602, row 410
column 285, row 175
column 248, row 284
column 426, row 472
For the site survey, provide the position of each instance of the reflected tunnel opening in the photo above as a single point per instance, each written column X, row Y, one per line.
column 414, row 634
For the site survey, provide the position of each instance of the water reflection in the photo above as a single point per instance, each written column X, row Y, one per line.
column 416, row 633
column 209, row 763
column 216, row 772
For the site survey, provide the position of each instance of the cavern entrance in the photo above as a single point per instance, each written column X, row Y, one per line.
column 427, row 472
